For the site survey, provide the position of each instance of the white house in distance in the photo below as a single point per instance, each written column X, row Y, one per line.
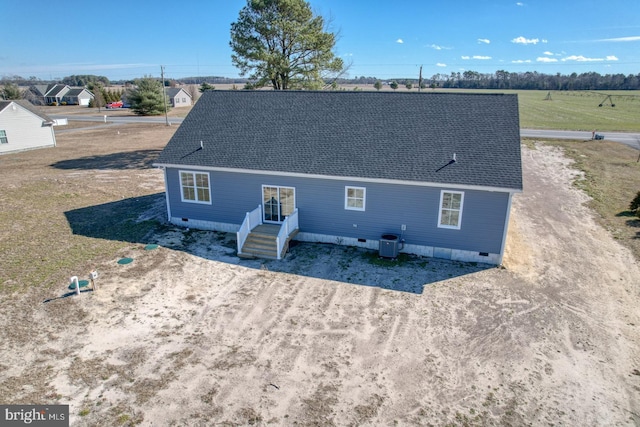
column 178, row 97
column 23, row 127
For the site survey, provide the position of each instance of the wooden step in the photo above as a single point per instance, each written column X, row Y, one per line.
column 260, row 246
column 261, row 243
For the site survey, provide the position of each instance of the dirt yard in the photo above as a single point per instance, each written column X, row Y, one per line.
column 188, row 334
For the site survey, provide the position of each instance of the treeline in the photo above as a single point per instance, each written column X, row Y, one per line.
column 507, row 80
column 83, row 80
column 461, row 80
column 474, row 80
column 210, row 79
column 534, row 80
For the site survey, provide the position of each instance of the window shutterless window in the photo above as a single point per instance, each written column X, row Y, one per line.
column 3, row 137
column 450, row 215
column 194, row 187
column 355, row 198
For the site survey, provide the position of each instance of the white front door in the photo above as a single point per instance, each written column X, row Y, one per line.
column 278, row 203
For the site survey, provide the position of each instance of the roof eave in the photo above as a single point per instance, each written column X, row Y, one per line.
column 343, row 178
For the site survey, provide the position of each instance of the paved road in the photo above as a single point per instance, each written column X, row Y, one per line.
column 630, row 139
column 117, row 119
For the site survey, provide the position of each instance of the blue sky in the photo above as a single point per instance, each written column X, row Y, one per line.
column 129, row 39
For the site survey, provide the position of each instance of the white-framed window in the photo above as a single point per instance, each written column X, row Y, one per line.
column 194, row 187
column 355, row 198
column 3, row 137
column 184, row 100
column 450, row 214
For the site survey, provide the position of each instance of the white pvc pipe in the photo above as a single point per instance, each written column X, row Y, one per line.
column 74, row 279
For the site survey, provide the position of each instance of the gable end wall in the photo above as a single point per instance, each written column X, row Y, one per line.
column 25, row 130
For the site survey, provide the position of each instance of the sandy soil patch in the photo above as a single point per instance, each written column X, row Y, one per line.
column 188, row 334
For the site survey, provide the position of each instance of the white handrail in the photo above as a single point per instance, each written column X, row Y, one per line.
column 289, row 224
column 251, row 220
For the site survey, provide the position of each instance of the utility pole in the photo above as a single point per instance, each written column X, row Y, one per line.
column 164, row 96
column 420, row 79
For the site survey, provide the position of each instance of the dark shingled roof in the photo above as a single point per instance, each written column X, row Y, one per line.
column 75, row 91
column 173, row 91
column 375, row 135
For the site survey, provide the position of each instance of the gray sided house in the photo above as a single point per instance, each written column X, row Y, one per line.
column 434, row 171
column 23, row 127
column 59, row 93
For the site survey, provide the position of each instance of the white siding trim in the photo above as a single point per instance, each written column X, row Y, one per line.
column 166, row 194
column 505, row 231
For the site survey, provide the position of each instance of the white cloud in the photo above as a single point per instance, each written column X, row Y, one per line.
column 621, row 39
column 521, row 61
column 439, row 64
column 545, row 59
column 486, row 41
column 400, row 41
column 465, row 57
column 580, row 58
column 547, row 53
column 519, row 3
column 438, row 47
column 522, row 40
column 481, row 57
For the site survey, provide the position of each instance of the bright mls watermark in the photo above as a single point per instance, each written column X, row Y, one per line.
column 34, row 415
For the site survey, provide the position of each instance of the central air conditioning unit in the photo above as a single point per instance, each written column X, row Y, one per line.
column 389, row 246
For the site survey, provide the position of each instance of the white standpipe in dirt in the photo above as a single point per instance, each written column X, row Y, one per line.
column 92, row 277
column 74, row 279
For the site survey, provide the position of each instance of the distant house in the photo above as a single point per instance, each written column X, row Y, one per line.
column 78, row 96
column 432, row 174
column 59, row 93
column 23, row 127
column 178, row 97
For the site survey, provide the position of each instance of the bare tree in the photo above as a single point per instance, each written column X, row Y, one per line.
column 194, row 92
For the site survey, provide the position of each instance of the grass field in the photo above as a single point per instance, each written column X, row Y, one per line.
column 578, row 110
column 566, row 110
column 51, row 197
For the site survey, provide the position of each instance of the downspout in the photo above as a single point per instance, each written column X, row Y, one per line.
column 53, row 135
column 506, row 228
